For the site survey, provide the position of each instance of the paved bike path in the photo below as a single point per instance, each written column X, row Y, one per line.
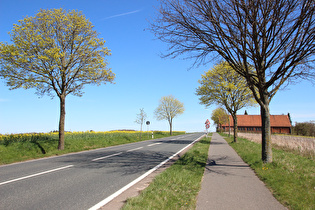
column 229, row 183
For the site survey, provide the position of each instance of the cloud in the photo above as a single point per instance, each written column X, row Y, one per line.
column 122, row 14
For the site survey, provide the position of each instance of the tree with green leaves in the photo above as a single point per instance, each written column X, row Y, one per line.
column 140, row 119
column 57, row 52
column 168, row 109
column 276, row 37
column 224, row 87
column 219, row 117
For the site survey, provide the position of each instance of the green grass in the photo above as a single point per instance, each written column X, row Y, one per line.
column 177, row 187
column 290, row 177
column 21, row 147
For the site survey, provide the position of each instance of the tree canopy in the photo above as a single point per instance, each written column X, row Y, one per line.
column 224, row 87
column 169, row 108
column 57, row 52
column 219, row 117
column 276, row 37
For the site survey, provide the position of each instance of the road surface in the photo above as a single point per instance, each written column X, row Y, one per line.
column 82, row 180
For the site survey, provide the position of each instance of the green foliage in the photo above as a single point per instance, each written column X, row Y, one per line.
column 304, row 129
column 219, row 116
column 244, row 34
column 168, row 109
column 290, row 176
column 57, row 52
column 158, row 132
column 54, row 51
column 222, row 86
column 177, row 187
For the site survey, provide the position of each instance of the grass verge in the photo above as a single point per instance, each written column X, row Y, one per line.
column 290, row 177
column 21, row 147
column 177, row 187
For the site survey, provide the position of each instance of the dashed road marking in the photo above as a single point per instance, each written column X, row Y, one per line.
column 150, row 145
column 108, row 156
column 37, row 174
column 134, row 149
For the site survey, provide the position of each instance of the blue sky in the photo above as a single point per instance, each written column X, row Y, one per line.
column 142, row 77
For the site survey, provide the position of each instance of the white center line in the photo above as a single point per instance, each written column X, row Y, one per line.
column 134, row 149
column 150, row 145
column 38, row 174
column 100, row 158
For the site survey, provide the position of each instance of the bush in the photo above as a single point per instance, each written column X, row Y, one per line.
column 304, row 129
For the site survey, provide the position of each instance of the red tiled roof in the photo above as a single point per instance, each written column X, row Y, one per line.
column 255, row 121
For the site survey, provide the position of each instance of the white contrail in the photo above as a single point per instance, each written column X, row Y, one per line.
column 123, row 14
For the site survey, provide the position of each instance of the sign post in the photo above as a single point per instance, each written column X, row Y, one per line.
column 148, row 124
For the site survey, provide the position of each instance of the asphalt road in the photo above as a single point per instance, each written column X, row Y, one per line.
column 82, row 180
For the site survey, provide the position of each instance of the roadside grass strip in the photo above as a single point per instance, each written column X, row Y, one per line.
column 21, row 147
column 178, row 186
column 290, row 177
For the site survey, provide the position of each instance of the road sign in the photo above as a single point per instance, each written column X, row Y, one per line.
column 207, row 126
column 207, row 122
column 148, row 123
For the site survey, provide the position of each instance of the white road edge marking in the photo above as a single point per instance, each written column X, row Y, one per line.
column 111, row 197
column 150, row 145
column 38, row 174
column 100, row 158
column 134, row 149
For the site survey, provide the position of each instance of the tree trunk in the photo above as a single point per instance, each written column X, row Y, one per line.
column 61, row 144
column 141, row 130
column 229, row 127
column 171, row 131
column 235, row 127
column 266, row 152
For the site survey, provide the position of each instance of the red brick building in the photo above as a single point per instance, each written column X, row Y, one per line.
column 252, row 124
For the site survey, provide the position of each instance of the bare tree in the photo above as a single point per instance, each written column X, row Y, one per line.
column 140, row 119
column 276, row 37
